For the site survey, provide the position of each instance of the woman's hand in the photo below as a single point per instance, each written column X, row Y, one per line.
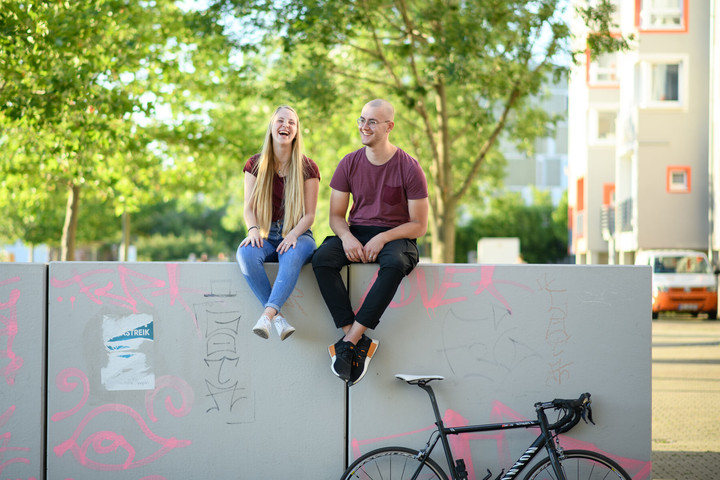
column 253, row 238
column 287, row 243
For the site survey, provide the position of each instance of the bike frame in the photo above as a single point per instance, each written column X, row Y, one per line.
column 543, row 440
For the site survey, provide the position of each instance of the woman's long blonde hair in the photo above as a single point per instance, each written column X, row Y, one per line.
column 294, row 199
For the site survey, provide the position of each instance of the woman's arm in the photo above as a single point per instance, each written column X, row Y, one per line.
column 253, row 234
column 311, row 188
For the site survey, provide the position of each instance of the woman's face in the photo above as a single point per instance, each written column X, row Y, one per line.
column 284, row 126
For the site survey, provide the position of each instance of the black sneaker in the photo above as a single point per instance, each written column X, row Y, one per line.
column 364, row 352
column 342, row 354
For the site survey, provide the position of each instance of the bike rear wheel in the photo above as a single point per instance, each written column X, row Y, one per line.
column 396, row 463
column 580, row 465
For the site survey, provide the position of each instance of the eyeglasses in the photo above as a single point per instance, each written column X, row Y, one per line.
column 372, row 123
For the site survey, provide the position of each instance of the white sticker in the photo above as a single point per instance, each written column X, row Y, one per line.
column 128, row 343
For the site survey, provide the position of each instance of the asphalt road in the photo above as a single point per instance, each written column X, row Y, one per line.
column 686, row 398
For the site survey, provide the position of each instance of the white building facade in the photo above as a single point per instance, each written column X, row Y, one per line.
column 641, row 153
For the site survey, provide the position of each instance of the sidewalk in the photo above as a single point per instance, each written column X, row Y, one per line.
column 686, row 399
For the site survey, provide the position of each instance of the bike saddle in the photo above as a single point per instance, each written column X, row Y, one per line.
column 415, row 379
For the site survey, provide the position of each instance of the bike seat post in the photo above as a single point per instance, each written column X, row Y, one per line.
column 433, row 401
column 441, row 429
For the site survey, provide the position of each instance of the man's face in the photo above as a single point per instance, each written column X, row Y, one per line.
column 374, row 125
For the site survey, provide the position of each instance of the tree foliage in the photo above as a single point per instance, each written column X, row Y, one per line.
column 460, row 73
column 541, row 228
column 79, row 84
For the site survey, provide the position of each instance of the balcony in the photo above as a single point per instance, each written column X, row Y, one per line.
column 625, row 211
column 607, row 221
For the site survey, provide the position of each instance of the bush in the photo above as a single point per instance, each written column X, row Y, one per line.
column 171, row 248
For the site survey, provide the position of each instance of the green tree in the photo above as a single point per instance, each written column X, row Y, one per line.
column 462, row 71
column 79, row 85
column 541, row 228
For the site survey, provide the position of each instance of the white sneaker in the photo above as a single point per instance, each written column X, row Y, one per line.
column 284, row 329
column 262, row 327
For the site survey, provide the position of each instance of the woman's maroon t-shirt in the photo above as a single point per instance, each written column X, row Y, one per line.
column 310, row 169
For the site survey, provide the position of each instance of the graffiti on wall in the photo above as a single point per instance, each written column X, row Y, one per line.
column 228, row 391
column 8, row 330
column 10, row 364
column 492, row 342
column 96, row 447
column 556, row 334
column 125, row 287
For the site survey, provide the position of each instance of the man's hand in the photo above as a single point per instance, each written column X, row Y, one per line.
column 353, row 249
column 373, row 247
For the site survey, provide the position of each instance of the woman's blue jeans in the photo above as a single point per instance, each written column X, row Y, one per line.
column 252, row 259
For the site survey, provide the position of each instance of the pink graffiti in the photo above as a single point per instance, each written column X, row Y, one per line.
column 134, row 287
column 439, row 296
column 488, row 284
column 5, row 440
column 61, row 381
column 460, row 444
column 9, row 328
column 181, row 386
column 106, row 442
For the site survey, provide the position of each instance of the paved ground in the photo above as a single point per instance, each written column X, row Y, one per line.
column 686, row 399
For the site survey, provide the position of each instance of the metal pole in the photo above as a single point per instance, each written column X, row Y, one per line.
column 713, row 155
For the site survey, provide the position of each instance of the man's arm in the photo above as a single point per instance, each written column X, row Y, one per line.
column 339, row 202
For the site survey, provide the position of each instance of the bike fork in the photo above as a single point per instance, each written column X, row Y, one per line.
column 556, row 453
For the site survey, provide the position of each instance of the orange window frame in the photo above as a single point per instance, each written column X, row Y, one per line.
column 683, row 28
column 608, row 194
column 675, row 169
column 580, row 194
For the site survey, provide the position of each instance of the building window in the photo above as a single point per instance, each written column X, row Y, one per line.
column 664, row 82
column 678, row 179
column 602, row 72
column 601, row 125
column 661, row 15
column 606, row 126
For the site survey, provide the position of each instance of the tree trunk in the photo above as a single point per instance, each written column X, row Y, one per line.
column 442, row 214
column 124, row 249
column 442, row 225
column 67, row 252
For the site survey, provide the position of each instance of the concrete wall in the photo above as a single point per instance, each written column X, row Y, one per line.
column 153, row 372
column 505, row 337
column 22, row 375
column 192, row 394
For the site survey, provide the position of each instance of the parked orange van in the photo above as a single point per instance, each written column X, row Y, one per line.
column 682, row 281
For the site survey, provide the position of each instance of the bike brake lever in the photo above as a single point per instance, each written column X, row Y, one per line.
column 587, row 409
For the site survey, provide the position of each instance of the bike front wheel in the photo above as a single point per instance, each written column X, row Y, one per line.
column 580, row 465
column 396, row 463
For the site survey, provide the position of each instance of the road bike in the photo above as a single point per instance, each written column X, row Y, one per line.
column 401, row 463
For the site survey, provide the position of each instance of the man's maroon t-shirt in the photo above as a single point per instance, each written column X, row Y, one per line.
column 380, row 192
column 310, row 169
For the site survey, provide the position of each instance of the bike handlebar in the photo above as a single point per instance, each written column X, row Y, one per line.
column 575, row 409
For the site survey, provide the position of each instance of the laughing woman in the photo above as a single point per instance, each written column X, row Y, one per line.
column 281, row 190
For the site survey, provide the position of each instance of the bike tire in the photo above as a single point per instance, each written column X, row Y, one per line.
column 396, row 463
column 580, row 465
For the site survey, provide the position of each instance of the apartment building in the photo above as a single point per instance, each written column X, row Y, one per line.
column 640, row 168
column 546, row 168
